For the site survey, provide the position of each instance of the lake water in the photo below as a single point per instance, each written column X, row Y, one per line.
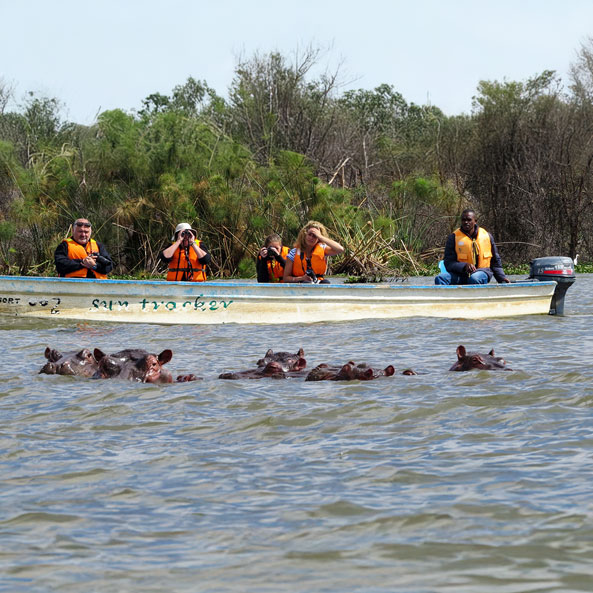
column 442, row 482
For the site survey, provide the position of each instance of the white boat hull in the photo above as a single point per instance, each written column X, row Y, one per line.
column 162, row 302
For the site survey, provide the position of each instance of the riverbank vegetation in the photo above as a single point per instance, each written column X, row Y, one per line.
column 388, row 177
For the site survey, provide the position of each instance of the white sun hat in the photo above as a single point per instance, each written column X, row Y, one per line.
column 182, row 226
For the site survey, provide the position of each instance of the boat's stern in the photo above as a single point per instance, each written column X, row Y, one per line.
column 559, row 269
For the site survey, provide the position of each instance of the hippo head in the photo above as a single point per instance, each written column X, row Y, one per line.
column 288, row 360
column 466, row 361
column 151, row 366
column 350, row 372
column 322, row 372
column 81, row 363
column 134, row 364
column 109, row 366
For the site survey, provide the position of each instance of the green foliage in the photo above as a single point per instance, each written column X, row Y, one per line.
column 246, row 268
column 7, row 230
column 379, row 110
column 416, row 202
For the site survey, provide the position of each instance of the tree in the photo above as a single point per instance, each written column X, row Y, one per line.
column 275, row 107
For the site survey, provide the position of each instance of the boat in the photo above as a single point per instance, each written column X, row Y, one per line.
column 216, row 302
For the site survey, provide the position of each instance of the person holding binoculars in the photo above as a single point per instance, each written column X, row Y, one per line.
column 307, row 262
column 186, row 257
column 79, row 256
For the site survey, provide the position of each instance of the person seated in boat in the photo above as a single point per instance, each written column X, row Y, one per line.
column 79, row 256
column 186, row 257
column 471, row 256
column 271, row 259
column 307, row 262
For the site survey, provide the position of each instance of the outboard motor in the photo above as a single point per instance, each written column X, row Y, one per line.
column 559, row 269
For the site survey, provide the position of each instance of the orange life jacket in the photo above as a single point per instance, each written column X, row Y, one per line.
column 466, row 248
column 275, row 270
column 78, row 251
column 318, row 262
column 178, row 266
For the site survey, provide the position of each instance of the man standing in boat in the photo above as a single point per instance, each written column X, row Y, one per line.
column 79, row 256
column 471, row 256
column 186, row 257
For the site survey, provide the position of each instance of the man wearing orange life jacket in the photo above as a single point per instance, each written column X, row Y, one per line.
column 186, row 256
column 471, row 256
column 79, row 256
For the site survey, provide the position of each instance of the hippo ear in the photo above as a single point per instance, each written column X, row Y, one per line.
column 269, row 353
column 491, row 353
column 99, row 354
column 52, row 355
column 301, row 353
column 165, row 356
column 390, row 370
column 460, row 352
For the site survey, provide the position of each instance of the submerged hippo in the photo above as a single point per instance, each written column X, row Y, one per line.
column 350, row 372
column 466, row 361
column 272, row 369
column 288, row 360
column 277, row 365
column 137, row 365
column 81, row 362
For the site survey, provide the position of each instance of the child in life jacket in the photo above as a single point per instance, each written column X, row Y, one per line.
column 271, row 259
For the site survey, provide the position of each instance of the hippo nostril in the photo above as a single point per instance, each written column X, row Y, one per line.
column 65, row 369
column 49, row 368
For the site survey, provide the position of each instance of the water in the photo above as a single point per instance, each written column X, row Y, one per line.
column 442, row 482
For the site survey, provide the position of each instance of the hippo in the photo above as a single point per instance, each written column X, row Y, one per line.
column 137, row 365
column 272, row 369
column 81, row 363
column 466, row 361
column 324, row 372
column 279, row 365
column 110, row 365
column 350, row 372
column 288, row 360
